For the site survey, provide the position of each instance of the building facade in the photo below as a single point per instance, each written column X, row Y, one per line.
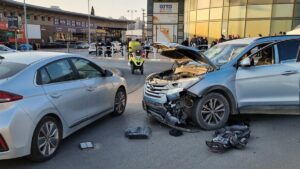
column 244, row 18
column 55, row 24
column 165, row 20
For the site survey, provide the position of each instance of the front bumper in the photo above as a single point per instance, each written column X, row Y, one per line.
column 16, row 128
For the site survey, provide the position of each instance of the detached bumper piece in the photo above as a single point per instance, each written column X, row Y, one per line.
column 235, row 136
column 138, row 133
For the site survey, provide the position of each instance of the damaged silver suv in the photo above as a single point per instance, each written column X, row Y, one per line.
column 252, row 75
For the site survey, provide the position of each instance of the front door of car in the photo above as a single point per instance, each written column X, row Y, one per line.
column 99, row 87
column 272, row 79
column 64, row 91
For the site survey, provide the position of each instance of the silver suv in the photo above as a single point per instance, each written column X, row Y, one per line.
column 253, row 75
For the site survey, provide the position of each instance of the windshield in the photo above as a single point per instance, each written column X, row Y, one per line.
column 8, row 69
column 222, row 54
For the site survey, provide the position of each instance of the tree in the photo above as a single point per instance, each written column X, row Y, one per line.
column 93, row 11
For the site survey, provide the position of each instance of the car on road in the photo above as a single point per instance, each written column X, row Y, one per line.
column 45, row 97
column 82, row 45
column 5, row 49
column 252, row 75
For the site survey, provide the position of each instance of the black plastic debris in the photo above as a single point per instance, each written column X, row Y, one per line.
column 235, row 136
column 86, row 145
column 175, row 133
column 138, row 133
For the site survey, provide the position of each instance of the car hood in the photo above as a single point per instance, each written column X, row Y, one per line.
column 179, row 52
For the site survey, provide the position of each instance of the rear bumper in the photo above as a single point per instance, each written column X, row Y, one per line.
column 16, row 128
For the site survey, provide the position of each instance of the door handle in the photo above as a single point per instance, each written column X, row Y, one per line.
column 289, row 72
column 91, row 88
column 56, row 95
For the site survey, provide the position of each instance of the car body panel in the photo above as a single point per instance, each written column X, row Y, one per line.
column 18, row 119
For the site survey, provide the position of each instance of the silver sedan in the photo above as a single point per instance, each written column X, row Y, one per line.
column 45, row 97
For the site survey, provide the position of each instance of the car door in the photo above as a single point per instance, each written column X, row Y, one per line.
column 272, row 80
column 59, row 82
column 98, row 86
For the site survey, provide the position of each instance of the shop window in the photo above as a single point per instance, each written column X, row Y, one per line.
column 216, row 3
column 192, row 29
column 202, row 29
column 214, row 30
column 225, row 28
column 296, row 23
column 297, row 10
column 225, row 13
column 49, row 18
column 254, row 28
column 12, row 14
column 35, row 17
column 238, row 2
column 193, row 5
column 282, row 10
column 203, row 15
column 43, row 18
column 5, row 14
column 192, row 16
column 259, row 11
column 28, row 16
column 280, row 26
column 237, row 12
column 226, row 2
column 236, row 28
column 202, row 4
column 216, row 13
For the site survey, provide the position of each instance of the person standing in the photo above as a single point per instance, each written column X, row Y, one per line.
column 147, row 48
column 185, row 42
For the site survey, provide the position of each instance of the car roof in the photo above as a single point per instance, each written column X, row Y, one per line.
column 31, row 57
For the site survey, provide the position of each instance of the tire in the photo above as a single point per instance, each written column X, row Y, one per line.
column 142, row 69
column 120, row 102
column 132, row 68
column 44, row 153
column 212, row 111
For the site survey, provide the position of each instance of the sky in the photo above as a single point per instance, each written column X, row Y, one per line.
column 105, row 8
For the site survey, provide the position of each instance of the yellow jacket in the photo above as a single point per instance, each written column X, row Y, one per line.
column 134, row 46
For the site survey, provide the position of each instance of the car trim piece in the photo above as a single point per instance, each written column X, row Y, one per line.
column 271, row 109
column 103, row 113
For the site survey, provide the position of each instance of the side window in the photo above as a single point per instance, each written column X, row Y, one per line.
column 86, row 69
column 43, row 77
column 59, row 71
column 288, row 50
column 264, row 57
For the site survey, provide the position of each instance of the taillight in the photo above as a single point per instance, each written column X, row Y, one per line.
column 9, row 97
column 3, row 145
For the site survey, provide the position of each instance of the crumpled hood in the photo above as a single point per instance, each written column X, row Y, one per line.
column 179, row 52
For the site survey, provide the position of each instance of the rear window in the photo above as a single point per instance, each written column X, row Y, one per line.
column 8, row 69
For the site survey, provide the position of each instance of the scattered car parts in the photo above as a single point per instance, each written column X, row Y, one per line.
column 138, row 133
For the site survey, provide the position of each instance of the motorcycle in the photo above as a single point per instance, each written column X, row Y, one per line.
column 136, row 61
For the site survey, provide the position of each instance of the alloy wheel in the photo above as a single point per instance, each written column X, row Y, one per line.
column 120, row 102
column 213, row 111
column 48, row 138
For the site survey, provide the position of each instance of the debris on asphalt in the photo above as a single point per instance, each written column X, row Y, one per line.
column 235, row 136
column 138, row 133
column 86, row 145
column 175, row 133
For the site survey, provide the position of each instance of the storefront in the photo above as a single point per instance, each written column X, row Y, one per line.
column 3, row 32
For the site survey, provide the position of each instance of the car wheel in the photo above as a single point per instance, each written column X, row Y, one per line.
column 120, row 102
column 142, row 69
column 212, row 111
column 46, row 139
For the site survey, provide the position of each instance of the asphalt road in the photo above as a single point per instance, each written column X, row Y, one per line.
column 274, row 142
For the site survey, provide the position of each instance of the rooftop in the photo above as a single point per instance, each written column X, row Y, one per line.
column 58, row 10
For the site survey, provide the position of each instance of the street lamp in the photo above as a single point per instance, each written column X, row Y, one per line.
column 131, row 17
column 89, row 18
column 25, row 26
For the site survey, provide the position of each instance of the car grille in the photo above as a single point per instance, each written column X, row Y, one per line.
column 155, row 90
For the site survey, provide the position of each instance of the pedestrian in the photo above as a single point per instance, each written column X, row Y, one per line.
column 147, row 48
column 222, row 39
column 260, row 35
column 34, row 46
column 185, row 42
column 193, row 41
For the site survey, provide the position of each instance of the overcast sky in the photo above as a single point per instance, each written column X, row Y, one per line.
column 106, row 8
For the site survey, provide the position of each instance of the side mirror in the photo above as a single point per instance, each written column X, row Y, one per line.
column 107, row 73
column 245, row 62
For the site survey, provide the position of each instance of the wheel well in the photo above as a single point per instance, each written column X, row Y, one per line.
column 229, row 97
column 123, row 88
column 56, row 117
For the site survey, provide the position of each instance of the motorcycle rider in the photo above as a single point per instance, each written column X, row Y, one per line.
column 133, row 46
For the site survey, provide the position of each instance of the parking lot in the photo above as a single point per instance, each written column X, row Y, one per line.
column 274, row 142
